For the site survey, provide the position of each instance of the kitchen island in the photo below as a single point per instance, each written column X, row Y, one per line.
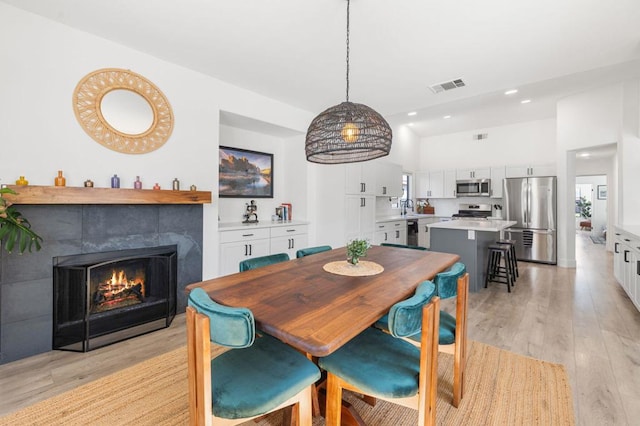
column 468, row 238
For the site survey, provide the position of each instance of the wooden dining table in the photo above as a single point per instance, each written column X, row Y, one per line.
column 316, row 311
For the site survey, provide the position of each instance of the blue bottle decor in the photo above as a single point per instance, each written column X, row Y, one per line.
column 115, row 181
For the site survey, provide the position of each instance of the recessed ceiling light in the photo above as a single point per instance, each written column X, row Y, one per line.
column 585, row 154
column 525, row 101
column 411, row 124
column 511, row 92
column 446, row 117
column 412, row 113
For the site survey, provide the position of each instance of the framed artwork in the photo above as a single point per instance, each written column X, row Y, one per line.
column 245, row 174
column 602, row 192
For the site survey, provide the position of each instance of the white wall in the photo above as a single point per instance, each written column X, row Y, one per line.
column 531, row 142
column 42, row 63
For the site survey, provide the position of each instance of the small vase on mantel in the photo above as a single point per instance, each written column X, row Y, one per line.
column 22, row 181
column 60, row 180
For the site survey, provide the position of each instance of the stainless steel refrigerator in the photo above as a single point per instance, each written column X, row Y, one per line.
column 531, row 202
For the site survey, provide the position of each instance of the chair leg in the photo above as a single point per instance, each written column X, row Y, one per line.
column 334, row 401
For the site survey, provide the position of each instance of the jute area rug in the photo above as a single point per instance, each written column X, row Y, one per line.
column 502, row 388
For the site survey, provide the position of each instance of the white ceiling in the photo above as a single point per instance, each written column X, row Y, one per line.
column 294, row 50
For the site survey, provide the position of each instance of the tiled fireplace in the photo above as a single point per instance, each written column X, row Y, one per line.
column 27, row 280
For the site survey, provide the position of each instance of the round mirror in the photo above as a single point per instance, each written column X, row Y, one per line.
column 123, row 111
column 127, row 111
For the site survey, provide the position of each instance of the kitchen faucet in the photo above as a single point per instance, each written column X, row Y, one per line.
column 404, row 204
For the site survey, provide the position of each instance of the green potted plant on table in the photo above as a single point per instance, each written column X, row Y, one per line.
column 14, row 228
column 357, row 249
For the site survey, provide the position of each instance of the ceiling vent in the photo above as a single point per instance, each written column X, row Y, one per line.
column 447, row 85
column 480, row 136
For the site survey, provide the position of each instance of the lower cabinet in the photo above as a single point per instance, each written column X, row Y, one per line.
column 626, row 264
column 424, row 239
column 391, row 232
column 288, row 239
column 238, row 245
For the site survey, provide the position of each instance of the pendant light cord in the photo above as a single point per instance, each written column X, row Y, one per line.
column 348, row 3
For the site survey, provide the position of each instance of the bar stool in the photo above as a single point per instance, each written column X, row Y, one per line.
column 512, row 252
column 496, row 272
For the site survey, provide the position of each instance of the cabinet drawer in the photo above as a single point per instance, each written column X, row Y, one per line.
column 282, row 231
column 243, row 235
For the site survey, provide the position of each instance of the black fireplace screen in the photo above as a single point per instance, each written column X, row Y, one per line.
column 102, row 298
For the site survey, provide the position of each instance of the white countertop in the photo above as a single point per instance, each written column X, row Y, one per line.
column 634, row 230
column 234, row 226
column 475, row 225
column 406, row 217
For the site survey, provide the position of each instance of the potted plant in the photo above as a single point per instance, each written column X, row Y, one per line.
column 357, row 249
column 14, row 228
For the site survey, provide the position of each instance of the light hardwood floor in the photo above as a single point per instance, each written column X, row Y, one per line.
column 578, row 317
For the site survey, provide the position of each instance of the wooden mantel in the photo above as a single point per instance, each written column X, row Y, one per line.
column 32, row 194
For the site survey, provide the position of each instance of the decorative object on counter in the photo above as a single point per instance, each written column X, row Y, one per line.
column 15, row 228
column 22, row 181
column 176, row 184
column 123, row 111
column 279, row 212
column 356, row 249
column 348, row 132
column 245, row 174
column 115, row 181
column 250, row 216
column 137, row 184
column 286, row 212
column 88, row 183
column 60, row 180
column 156, row 186
column 193, row 188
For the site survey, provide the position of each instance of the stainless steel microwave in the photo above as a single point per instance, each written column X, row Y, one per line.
column 473, row 188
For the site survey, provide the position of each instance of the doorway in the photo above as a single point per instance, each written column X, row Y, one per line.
column 591, row 206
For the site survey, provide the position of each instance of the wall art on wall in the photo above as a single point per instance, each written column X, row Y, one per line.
column 602, row 192
column 244, row 173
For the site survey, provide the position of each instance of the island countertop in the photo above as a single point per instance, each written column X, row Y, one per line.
column 475, row 225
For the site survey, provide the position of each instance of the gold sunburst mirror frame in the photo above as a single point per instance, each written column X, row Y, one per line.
column 88, row 107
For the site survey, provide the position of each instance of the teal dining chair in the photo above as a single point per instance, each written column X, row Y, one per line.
column 311, row 250
column 257, row 375
column 452, row 334
column 258, row 262
column 385, row 366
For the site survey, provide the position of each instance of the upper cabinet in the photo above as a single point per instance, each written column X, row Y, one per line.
column 497, row 176
column 531, row 170
column 389, row 180
column 436, row 184
column 360, row 179
column 473, row 174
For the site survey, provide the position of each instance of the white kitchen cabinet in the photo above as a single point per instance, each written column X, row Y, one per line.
column 531, row 170
column 423, row 185
column 239, row 245
column 436, row 184
column 288, row 239
column 497, row 177
column 391, row 232
column 360, row 178
column 424, row 237
column 626, row 264
column 360, row 217
column 473, row 173
column 389, row 180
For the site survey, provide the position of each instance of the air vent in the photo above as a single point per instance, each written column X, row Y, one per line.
column 447, row 85
column 480, row 136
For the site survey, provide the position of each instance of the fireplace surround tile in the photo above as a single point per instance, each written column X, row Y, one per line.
column 74, row 229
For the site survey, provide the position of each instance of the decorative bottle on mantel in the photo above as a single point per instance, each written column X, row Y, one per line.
column 138, row 183
column 22, row 181
column 60, row 180
column 115, row 181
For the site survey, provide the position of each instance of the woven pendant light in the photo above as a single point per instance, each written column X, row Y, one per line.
column 348, row 132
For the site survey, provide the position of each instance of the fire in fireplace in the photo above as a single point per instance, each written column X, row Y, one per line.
column 102, row 298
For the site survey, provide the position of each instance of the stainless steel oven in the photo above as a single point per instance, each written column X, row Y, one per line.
column 473, row 188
